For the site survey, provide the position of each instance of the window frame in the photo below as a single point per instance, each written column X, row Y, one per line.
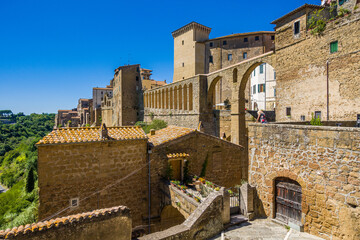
column 230, row 57
column 246, row 39
column 244, row 55
column 257, row 38
column 296, row 28
column 224, row 42
column 337, row 46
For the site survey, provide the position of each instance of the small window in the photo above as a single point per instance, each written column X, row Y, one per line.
column 334, row 47
column 288, row 111
column 229, row 57
column 254, row 89
column 274, row 75
column 274, row 92
column 302, row 117
column 261, row 68
column 261, row 88
column 210, row 59
column 137, row 69
column 272, row 37
column 246, row 40
column 318, row 115
column 257, row 38
column 74, row 202
column 254, row 72
column 137, row 78
column 245, row 55
column 183, row 64
column 211, row 44
column 224, row 42
column 297, row 27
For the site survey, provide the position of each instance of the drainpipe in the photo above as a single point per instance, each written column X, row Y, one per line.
column 149, row 206
column 327, row 90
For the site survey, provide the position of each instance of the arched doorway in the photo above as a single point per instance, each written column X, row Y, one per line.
column 288, row 197
column 170, row 217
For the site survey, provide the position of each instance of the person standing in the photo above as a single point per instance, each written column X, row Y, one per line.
column 261, row 117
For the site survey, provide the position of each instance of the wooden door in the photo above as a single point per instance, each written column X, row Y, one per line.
column 288, row 202
column 176, row 166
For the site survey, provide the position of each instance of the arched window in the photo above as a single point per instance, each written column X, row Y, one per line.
column 185, row 97
column 190, row 96
column 180, row 97
column 235, row 75
column 175, row 97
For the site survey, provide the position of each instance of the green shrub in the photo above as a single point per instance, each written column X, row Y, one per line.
column 315, row 121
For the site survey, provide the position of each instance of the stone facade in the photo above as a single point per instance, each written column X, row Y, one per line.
column 84, row 171
column 127, row 100
column 105, row 224
column 325, row 161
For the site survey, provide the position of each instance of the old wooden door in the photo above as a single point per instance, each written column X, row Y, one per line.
column 288, row 201
column 176, row 166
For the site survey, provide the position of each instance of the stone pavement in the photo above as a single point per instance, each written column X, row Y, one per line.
column 263, row 229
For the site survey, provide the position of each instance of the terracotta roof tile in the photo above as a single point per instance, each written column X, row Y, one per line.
column 91, row 134
column 54, row 223
column 177, row 155
column 167, row 134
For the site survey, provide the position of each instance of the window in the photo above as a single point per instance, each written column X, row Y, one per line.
column 245, row 55
column 261, row 68
column 334, row 47
column 137, row 78
column 296, row 27
column 229, row 57
column 257, row 38
column 211, row 59
column 183, row 64
column 246, row 39
column 272, row 37
column 274, row 75
column 274, row 92
column 318, row 115
column 288, row 111
column 302, row 117
column 224, row 42
column 182, row 42
column 254, row 72
column 254, row 89
column 211, row 44
column 261, row 88
column 74, row 202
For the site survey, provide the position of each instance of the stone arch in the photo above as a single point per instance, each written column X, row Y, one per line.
column 156, row 99
column 235, row 75
column 175, row 97
column 171, row 98
column 186, row 101
column 170, row 216
column 190, row 96
column 212, row 92
column 167, row 98
column 180, row 97
column 163, row 99
column 153, row 100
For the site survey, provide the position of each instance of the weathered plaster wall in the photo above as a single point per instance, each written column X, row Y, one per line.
column 325, row 161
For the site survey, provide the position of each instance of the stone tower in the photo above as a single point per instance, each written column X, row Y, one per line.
column 189, row 50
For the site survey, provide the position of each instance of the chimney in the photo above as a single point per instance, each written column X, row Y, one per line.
column 104, row 132
column 152, row 132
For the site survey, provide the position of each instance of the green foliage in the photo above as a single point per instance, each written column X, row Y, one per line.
column 187, row 177
column 315, row 121
column 317, row 23
column 87, row 125
column 342, row 12
column 204, row 166
column 156, row 124
column 18, row 167
column 169, row 172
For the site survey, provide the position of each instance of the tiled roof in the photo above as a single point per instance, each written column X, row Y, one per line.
column 167, row 134
column 58, row 222
column 177, row 155
column 241, row 35
column 91, row 134
column 297, row 10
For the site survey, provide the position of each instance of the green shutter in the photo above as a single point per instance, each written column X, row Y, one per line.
column 334, row 47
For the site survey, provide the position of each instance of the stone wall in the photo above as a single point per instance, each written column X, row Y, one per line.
column 205, row 222
column 226, row 163
column 102, row 224
column 325, row 161
column 81, row 170
column 302, row 63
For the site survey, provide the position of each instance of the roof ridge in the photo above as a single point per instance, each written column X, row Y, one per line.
column 68, row 220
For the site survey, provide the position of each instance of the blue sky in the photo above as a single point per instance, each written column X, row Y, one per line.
column 53, row 52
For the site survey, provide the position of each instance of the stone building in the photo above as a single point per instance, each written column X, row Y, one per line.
column 67, row 118
column 147, row 82
column 83, row 111
column 82, row 169
column 127, row 99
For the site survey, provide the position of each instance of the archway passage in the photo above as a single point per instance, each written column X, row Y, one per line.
column 288, row 197
column 170, row 217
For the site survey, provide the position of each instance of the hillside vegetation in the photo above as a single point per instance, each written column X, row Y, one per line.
column 18, row 167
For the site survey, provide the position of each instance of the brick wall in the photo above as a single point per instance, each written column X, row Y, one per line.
column 325, row 161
